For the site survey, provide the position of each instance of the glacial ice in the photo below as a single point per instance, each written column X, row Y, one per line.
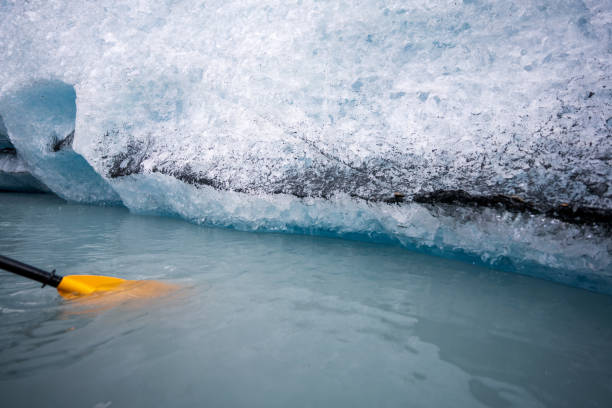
column 39, row 116
column 15, row 175
column 302, row 116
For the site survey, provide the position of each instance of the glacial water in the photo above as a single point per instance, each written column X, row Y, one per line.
column 277, row 320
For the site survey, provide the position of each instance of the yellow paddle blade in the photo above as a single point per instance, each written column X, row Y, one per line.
column 110, row 292
column 99, row 293
column 86, row 284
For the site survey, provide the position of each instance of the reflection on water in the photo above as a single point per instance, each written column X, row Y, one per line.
column 276, row 320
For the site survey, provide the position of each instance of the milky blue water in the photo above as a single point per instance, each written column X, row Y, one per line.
column 282, row 320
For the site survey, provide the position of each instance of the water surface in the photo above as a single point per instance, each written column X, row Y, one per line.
column 281, row 320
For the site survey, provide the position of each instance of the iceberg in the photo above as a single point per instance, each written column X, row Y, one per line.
column 354, row 119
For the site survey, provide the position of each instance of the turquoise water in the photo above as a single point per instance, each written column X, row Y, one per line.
column 280, row 320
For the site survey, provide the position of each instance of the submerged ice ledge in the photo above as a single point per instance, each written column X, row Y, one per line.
column 534, row 245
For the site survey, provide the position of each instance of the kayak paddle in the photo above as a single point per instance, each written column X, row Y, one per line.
column 72, row 286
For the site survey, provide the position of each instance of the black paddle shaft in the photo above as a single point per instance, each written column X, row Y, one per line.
column 44, row 277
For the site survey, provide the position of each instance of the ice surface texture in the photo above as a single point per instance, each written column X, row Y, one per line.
column 176, row 102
